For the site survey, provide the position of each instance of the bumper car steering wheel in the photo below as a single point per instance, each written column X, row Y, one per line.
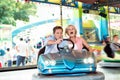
column 66, row 44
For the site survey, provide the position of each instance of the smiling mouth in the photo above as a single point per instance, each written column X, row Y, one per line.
column 71, row 32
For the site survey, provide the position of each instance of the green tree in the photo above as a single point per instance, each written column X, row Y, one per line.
column 10, row 10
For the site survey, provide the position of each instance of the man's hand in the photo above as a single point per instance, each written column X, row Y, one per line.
column 58, row 41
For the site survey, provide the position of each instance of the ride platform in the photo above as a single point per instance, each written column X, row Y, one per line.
column 90, row 76
column 109, row 64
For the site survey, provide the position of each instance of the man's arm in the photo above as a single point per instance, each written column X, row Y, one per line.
column 16, row 47
column 114, row 47
column 51, row 41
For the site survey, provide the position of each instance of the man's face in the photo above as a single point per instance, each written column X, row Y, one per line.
column 116, row 38
column 58, row 34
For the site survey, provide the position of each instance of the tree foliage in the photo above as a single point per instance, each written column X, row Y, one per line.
column 11, row 10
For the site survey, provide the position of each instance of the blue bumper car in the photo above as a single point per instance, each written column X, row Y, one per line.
column 66, row 61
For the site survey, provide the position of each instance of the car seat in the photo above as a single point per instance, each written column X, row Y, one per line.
column 41, row 51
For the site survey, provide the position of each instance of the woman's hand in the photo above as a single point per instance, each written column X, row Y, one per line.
column 90, row 50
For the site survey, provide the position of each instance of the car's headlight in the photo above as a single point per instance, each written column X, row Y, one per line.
column 90, row 60
column 46, row 62
column 85, row 61
column 52, row 62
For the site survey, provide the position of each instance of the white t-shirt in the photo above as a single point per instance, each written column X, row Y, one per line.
column 50, row 48
column 75, row 47
column 22, row 47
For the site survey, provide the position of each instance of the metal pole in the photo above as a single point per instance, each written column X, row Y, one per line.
column 61, row 13
column 109, row 28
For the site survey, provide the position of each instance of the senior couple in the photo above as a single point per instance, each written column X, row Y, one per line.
column 57, row 37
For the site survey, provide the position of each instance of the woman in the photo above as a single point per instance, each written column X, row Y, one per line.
column 52, row 41
column 78, row 41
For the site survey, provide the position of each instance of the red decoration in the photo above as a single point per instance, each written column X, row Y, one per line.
column 27, row 0
column 0, row 65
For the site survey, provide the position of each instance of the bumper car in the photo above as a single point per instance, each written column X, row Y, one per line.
column 2, row 53
column 66, row 61
column 110, row 58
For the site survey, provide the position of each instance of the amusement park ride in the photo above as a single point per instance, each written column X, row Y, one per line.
column 72, row 64
column 67, row 63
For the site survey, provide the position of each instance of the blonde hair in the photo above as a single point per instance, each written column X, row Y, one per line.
column 66, row 30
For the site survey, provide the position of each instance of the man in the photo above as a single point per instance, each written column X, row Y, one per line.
column 21, row 48
column 115, row 45
column 52, row 41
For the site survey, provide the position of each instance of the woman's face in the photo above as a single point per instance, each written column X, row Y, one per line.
column 71, row 31
column 58, row 33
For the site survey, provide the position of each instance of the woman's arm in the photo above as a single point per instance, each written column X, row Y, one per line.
column 86, row 45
